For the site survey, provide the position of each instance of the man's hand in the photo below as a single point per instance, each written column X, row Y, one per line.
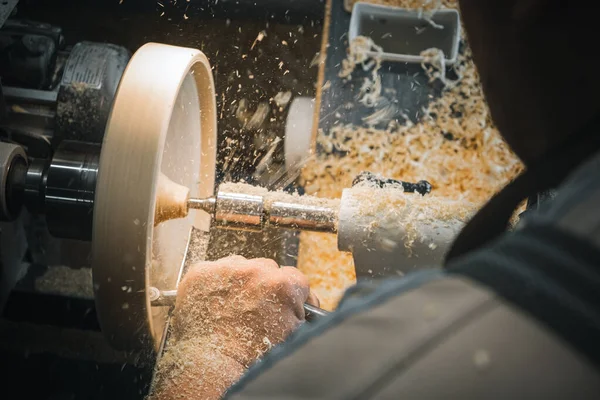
column 248, row 305
column 228, row 313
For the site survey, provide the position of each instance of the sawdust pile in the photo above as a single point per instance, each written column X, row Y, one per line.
column 358, row 55
column 455, row 146
column 66, row 281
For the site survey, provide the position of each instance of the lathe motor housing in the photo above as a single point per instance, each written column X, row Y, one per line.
column 55, row 102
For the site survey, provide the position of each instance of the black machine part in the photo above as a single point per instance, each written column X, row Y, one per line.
column 13, row 166
column 56, row 103
column 70, row 186
column 53, row 93
column 7, row 9
column 87, row 89
column 62, row 188
column 28, row 53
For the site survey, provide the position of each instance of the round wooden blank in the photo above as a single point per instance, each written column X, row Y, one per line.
column 163, row 121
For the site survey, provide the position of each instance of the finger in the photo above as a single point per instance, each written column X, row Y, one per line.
column 311, row 297
column 313, row 300
column 196, row 272
column 231, row 265
column 295, row 276
column 210, row 273
column 295, row 287
column 265, row 263
column 259, row 269
column 231, row 259
column 203, row 265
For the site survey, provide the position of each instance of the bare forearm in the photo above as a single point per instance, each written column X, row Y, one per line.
column 194, row 369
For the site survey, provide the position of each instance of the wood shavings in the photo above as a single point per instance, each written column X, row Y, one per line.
column 434, row 64
column 359, row 53
column 474, row 165
column 363, row 51
column 241, row 111
column 455, row 146
column 316, row 60
column 427, row 18
column 427, row 14
column 267, row 159
column 329, row 271
column 382, row 115
column 259, row 116
column 370, row 91
column 66, row 281
column 282, row 99
column 261, row 35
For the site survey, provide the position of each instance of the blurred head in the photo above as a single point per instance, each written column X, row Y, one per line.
column 538, row 63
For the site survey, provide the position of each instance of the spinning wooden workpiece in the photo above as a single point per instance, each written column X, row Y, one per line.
column 171, row 200
column 163, row 124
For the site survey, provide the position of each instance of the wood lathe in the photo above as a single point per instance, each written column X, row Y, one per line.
column 130, row 194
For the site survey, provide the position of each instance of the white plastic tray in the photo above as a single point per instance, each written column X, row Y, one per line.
column 404, row 33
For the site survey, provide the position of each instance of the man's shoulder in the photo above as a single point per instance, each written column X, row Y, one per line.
column 445, row 336
column 576, row 207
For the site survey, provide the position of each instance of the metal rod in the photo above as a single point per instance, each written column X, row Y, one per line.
column 166, row 298
column 252, row 212
column 30, row 95
column 312, row 313
column 305, row 217
column 209, row 205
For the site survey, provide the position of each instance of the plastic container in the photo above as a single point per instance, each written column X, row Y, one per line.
column 405, row 33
